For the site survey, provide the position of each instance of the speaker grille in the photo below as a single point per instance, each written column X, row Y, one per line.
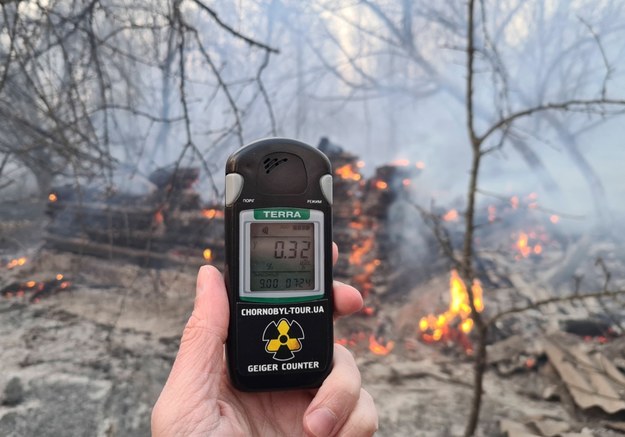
column 272, row 163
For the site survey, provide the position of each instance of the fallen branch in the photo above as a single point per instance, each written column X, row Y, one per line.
column 559, row 299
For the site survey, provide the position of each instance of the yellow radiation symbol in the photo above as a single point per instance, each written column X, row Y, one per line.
column 283, row 338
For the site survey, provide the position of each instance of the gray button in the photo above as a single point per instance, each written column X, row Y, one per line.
column 234, row 186
column 326, row 187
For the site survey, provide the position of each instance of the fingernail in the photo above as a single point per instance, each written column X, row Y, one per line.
column 321, row 422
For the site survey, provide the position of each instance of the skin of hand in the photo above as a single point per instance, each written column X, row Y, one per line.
column 198, row 399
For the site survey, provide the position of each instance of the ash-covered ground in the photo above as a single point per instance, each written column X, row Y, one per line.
column 91, row 360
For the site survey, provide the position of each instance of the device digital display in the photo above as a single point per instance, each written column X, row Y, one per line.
column 282, row 256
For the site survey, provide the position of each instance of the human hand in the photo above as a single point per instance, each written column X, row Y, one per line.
column 198, row 398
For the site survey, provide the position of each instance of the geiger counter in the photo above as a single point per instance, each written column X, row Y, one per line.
column 279, row 265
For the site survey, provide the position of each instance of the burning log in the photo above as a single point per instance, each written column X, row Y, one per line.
column 168, row 220
column 39, row 290
column 176, row 256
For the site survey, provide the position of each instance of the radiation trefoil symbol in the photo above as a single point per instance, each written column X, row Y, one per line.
column 283, row 338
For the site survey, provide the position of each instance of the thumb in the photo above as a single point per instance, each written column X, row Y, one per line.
column 194, row 380
column 199, row 363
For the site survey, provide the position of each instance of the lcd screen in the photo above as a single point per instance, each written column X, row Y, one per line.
column 282, row 256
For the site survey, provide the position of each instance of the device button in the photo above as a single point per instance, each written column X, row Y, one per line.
column 234, row 186
column 326, row 187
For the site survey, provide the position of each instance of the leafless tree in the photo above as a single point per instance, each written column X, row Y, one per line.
column 478, row 53
column 77, row 83
column 515, row 84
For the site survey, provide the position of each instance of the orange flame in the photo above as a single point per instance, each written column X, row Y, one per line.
column 158, row 217
column 379, row 348
column 492, row 213
column 212, row 213
column 17, row 262
column 368, row 311
column 451, row 216
column 359, row 251
column 381, row 185
column 347, row 172
column 437, row 327
column 52, row 197
column 401, row 162
column 208, row 254
column 524, row 245
column 357, row 226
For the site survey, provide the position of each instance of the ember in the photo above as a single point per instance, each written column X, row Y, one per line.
column 528, row 243
column 379, row 348
column 212, row 213
column 208, row 254
column 39, row 289
column 17, row 262
column 381, row 185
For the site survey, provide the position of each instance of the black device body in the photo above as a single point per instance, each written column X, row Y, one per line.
column 278, row 220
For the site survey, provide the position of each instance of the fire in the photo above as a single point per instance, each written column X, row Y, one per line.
column 379, row 348
column 492, row 213
column 17, row 262
column 158, row 217
column 451, row 215
column 554, row 219
column 208, row 254
column 524, row 244
column 357, row 226
column 381, row 185
column 359, row 251
column 212, row 213
column 347, row 172
column 360, row 164
column 52, row 197
column 401, row 163
column 368, row 311
column 420, row 165
column 38, row 289
column 458, row 315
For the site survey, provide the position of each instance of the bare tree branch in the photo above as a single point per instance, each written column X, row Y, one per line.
column 247, row 39
column 557, row 299
column 575, row 105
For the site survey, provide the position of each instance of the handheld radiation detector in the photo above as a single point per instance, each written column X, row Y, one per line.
column 279, row 265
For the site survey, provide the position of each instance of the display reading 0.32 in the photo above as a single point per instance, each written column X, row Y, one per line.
column 282, row 256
